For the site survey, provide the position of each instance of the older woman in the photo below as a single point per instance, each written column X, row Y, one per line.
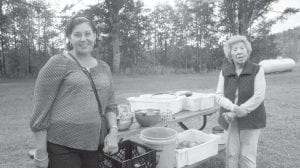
column 240, row 93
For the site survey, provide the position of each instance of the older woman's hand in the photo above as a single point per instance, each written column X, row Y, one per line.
column 240, row 111
column 111, row 142
column 229, row 116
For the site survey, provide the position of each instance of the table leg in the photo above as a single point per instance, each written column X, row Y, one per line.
column 204, row 122
column 183, row 126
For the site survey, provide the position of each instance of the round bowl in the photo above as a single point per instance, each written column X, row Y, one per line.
column 124, row 123
column 148, row 117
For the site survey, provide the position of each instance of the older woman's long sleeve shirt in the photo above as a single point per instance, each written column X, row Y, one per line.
column 65, row 104
column 252, row 103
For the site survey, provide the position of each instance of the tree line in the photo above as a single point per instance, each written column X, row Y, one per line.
column 289, row 43
column 183, row 38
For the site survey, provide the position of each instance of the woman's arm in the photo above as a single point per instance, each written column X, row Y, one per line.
column 45, row 91
column 220, row 99
column 111, row 112
column 41, row 159
column 111, row 118
column 111, row 140
column 46, row 88
column 41, row 144
column 259, row 92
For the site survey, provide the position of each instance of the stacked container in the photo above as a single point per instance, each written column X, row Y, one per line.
column 162, row 102
column 198, row 101
column 194, row 101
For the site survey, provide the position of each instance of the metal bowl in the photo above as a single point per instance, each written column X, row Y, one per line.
column 124, row 123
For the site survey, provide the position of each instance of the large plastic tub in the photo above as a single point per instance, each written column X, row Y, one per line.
column 208, row 147
column 163, row 140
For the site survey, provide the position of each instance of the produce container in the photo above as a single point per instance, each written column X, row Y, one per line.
column 148, row 117
column 198, row 101
column 207, row 147
column 162, row 102
column 130, row 155
column 125, row 117
column 124, row 123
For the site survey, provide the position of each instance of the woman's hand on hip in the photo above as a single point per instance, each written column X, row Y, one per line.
column 41, row 159
column 111, row 142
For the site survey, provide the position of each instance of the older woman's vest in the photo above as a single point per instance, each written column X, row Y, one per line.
column 245, row 83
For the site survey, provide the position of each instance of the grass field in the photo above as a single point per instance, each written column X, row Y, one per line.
column 279, row 145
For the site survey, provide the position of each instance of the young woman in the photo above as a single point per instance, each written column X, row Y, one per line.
column 66, row 120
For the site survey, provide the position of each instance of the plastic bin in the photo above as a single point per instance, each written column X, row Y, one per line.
column 198, row 101
column 130, row 155
column 171, row 103
column 189, row 156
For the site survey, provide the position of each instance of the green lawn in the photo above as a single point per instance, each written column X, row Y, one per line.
column 279, row 146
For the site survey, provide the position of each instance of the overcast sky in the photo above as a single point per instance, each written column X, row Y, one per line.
column 290, row 23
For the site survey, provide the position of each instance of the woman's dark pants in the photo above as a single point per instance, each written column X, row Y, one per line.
column 65, row 157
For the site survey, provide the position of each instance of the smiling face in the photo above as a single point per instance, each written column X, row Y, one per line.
column 82, row 38
column 239, row 53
